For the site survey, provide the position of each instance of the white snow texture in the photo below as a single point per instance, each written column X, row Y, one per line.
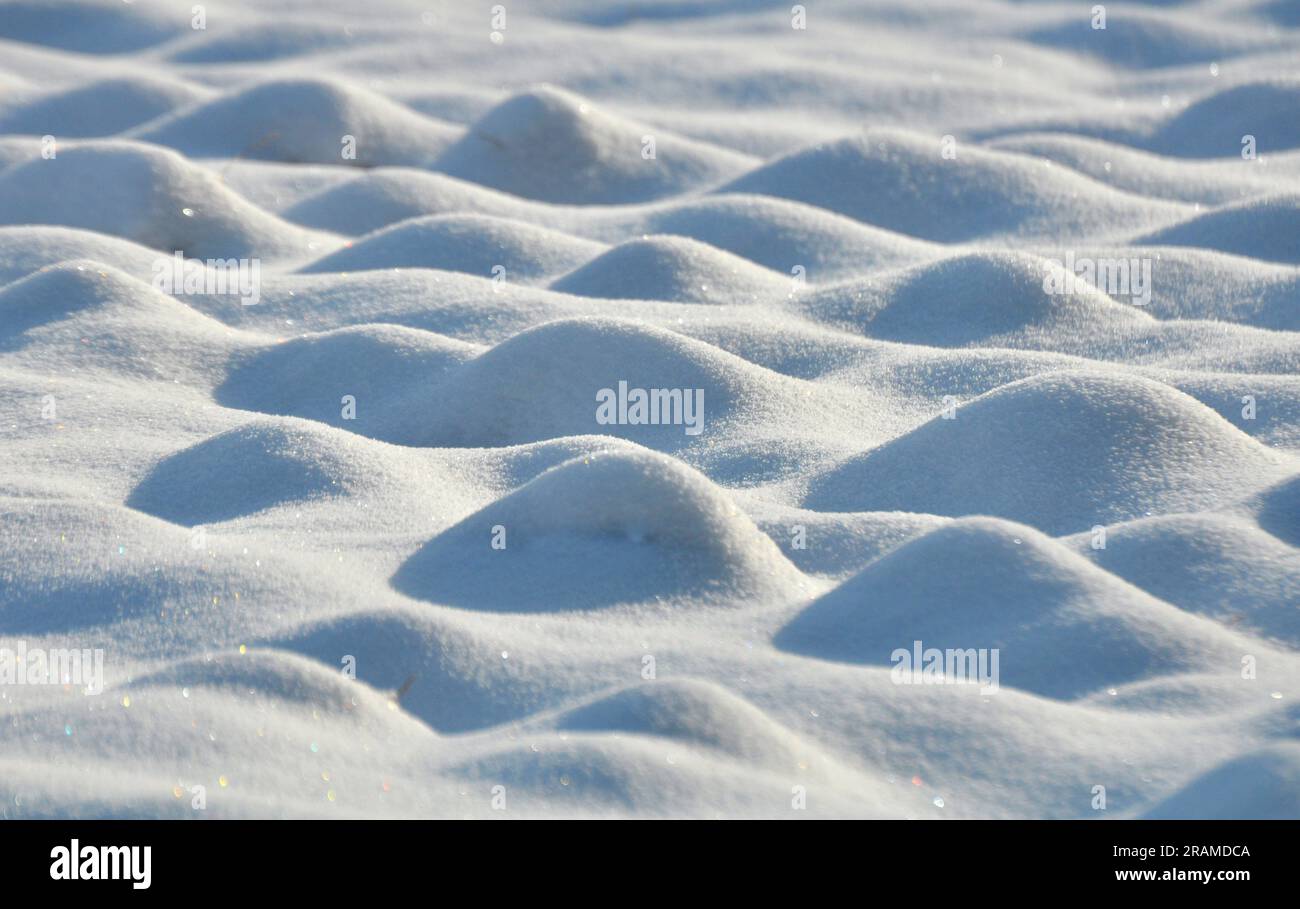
column 363, row 545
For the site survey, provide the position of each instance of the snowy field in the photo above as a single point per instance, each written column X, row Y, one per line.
column 698, row 408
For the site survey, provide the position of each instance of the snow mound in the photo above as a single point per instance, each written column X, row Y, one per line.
column 261, row 465
column 674, row 269
column 781, row 234
column 1262, row 228
column 29, row 248
column 1213, row 126
column 58, row 292
column 1063, row 627
column 1279, row 511
column 1143, row 38
column 1229, row 569
column 565, row 365
column 901, row 181
column 101, row 108
column 274, row 674
column 599, row 777
column 309, row 376
column 303, row 121
column 449, row 678
column 474, row 244
column 87, row 26
column 1264, row 785
column 1212, row 182
column 972, row 298
column 46, row 593
column 695, row 712
column 385, row 196
column 146, row 194
column 645, row 529
column 1062, row 452
column 551, row 145
column 85, row 315
column 259, row 41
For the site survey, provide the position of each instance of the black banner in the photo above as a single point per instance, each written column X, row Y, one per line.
column 330, row 859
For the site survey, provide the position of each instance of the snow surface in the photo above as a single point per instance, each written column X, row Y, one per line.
column 906, row 436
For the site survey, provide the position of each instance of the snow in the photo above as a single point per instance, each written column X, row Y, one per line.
column 366, row 547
